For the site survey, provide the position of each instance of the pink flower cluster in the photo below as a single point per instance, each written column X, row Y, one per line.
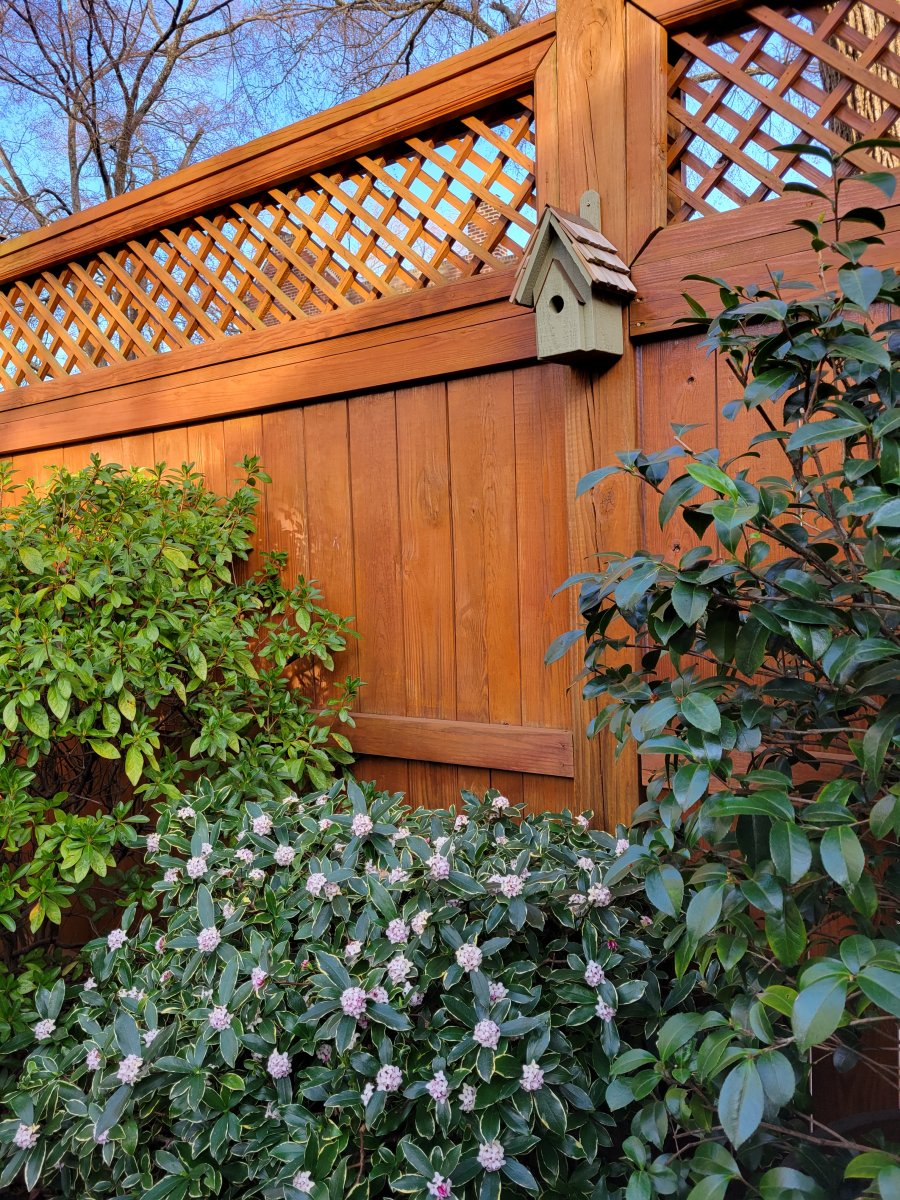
column 594, row 974
column 285, row 855
column 487, row 1033
column 278, row 1065
column 153, row 843
column 399, row 968
column 467, row 1097
column 244, row 854
column 220, row 1018
column 315, row 883
column 129, row 1068
column 208, row 939
column 44, row 1029
column 468, row 956
column 261, row 825
column 388, row 1079
column 353, row 1001
column 397, row 932
column 497, row 991
column 604, row 1011
column 438, row 1088
column 26, row 1136
column 361, row 825
column 438, row 866
column 491, row 1155
column 196, row 867
column 600, row 895
column 419, row 922
column 116, row 939
column 532, row 1078
column 511, row 885
column 440, row 1187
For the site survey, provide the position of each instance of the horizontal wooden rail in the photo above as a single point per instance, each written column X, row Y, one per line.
column 678, row 14
column 740, row 247
column 533, row 751
column 448, row 331
column 500, row 68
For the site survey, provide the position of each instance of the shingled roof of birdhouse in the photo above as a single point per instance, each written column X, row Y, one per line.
column 594, row 256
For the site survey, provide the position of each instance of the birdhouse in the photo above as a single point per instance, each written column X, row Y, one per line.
column 576, row 283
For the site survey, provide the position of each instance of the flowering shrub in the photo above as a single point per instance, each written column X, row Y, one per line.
column 408, row 1003
column 135, row 650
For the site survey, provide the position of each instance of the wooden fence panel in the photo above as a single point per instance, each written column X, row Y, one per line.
column 436, row 516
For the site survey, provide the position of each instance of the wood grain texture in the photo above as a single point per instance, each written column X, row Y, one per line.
column 600, row 409
column 678, row 14
column 377, row 552
column 329, row 516
column 512, row 748
column 741, row 247
column 482, row 462
column 433, row 347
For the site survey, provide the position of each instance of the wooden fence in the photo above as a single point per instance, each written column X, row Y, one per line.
column 334, row 297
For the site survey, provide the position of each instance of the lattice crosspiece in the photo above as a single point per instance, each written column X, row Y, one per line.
column 439, row 206
column 824, row 76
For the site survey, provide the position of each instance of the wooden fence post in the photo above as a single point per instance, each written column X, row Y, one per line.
column 599, row 147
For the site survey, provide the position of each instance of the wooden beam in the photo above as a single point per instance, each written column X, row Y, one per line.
column 519, row 748
column 488, row 336
column 460, row 85
column 741, row 246
column 601, row 409
column 466, row 294
column 678, row 14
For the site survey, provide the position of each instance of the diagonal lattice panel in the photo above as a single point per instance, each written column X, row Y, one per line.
column 825, row 76
column 443, row 205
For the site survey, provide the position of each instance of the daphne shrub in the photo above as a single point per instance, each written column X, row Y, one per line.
column 137, row 648
column 342, row 997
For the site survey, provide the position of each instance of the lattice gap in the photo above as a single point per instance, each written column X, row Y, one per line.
column 440, row 206
column 824, row 75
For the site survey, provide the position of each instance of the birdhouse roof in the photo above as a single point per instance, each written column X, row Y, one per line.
column 590, row 253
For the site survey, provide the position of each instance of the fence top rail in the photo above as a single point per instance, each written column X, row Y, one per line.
column 678, row 14
column 492, row 71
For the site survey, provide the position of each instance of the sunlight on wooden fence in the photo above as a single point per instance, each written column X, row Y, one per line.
column 439, row 206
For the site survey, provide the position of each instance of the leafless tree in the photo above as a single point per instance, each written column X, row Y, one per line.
column 100, row 96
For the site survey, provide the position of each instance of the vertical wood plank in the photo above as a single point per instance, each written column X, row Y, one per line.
column 427, row 573
column 546, row 120
column 376, row 536
column 646, row 78
column 677, row 384
column 206, row 449
column 170, row 446
column 541, row 513
column 329, row 519
column 283, row 451
column 482, row 447
column 138, row 450
column 242, row 437
column 600, row 410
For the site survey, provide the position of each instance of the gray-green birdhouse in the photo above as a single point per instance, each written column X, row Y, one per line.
column 577, row 284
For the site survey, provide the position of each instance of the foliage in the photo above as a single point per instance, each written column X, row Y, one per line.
column 342, row 998
column 109, row 95
column 135, row 650
column 763, row 669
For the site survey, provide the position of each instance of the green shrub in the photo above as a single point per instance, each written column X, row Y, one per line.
column 132, row 657
column 343, row 998
column 765, row 674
